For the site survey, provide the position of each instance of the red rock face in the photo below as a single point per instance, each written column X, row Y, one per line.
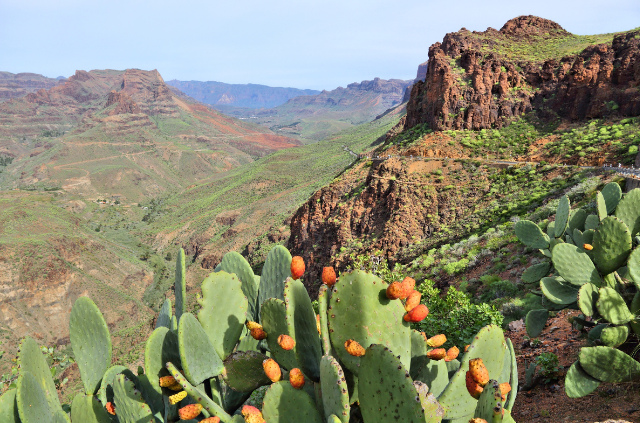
column 465, row 88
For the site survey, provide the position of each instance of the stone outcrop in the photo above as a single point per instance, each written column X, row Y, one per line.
column 469, row 84
column 124, row 104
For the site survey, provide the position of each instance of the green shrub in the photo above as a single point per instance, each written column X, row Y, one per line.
column 549, row 366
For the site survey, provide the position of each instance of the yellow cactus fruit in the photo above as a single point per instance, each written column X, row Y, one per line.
column 354, row 348
column 286, row 342
column 588, row 247
column 452, row 353
column 166, row 381
column 318, row 324
column 296, row 378
column 437, row 341
column 478, row 371
column 175, row 387
column 505, row 388
column 272, row 370
column 176, row 398
column 253, row 325
column 437, row 354
column 473, row 387
column 412, row 300
column 189, row 412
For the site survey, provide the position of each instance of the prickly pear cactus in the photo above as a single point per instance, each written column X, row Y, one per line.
column 181, row 285
column 233, row 262
column 86, row 408
column 8, row 408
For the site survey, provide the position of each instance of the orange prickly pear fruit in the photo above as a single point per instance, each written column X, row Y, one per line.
column 417, row 314
column 175, row 387
column 253, row 325
column 478, row 371
column 318, row 324
column 176, row 398
column 354, row 348
column 296, row 378
column 466, row 347
column 286, row 342
column 588, row 247
column 408, row 285
column 395, row 290
column 473, row 387
column 111, row 409
column 211, row 420
column 272, row 370
column 474, row 420
column 258, row 333
column 328, row 276
column 424, row 336
column 437, row 354
column 190, row 411
column 412, row 300
column 505, row 388
column 297, row 267
column 166, row 381
column 452, row 353
column 252, row 414
column 437, row 341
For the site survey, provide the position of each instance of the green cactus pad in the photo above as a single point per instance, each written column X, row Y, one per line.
column 490, row 403
column 633, row 266
column 609, row 364
column 601, row 206
column 452, row 367
column 536, row 272
column 562, row 216
column 419, row 350
column 578, row 238
column 360, row 310
column 432, row 409
column 105, row 393
column 243, row 371
column 611, row 245
column 531, row 235
column 614, row 336
column 162, row 346
column 30, row 359
column 511, row 399
column 574, row 265
column 174, row 323
column 323, row 305
column 489, row 344
column 197, row 354
column 130, row 407
column 577, row 220
column 558, row 291
column 284, row 404
column 31, row 400
column 233, row 262
column 277, row 268
column 86, row 408
column 274, row 321
column 333, row 419
column 612, row 193
column 91, row 343
column 591, row 222
column 551, row 230
column 612, row 307
column 8, row 407
column 594, row 334
column 629, row 210
column 153, row 399
column 434, row 373
column 536, row 321
column 578, row 383
column 335, row 394
column 164, row 317
column 181, row 285
column 587, row 298
column 569, row 240
column 386, row 389
column 248, row 343
column 302, row 327
column 223, row 312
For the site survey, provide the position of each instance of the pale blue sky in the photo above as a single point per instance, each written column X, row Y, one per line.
column 302, row 44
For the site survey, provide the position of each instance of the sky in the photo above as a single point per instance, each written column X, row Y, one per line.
column 291, row 43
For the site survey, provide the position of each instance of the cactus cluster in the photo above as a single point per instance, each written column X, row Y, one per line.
column 594, row 267
column 357, row 360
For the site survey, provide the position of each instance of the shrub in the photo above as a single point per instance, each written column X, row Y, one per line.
column 549, row 366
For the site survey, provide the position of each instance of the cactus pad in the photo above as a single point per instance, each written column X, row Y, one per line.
column 629, row 210
column 576, row 221
column 360, row 310
column 243, row 371
column 130, row 407
column 634, row 266
column 587, row 298
column 435, row 374
column 614, row 336
column 197, row 354
column 489, row 403
column 8, row 408
column 536, row 272
column 386, row 389
column 578, row 238
column 335, row 395
column 323, row 305
column 277, row 268
column 591, row 222
column 562, row 216
column 574, row 265
column 611, row 245
column 162, row 346
column 31, row 360
column 558, row 291
column 601, row 206
column 91, row 343
column 531, row 235
column 105, row 393
column 609, row 365
column 223, row 312
column 87, row 409
column 164, row 317
column 578, row 383
column 612, row 307
column 274, row 320
column 612, row 193
column 284, row 404
column 511, row 399
column 535, row 322
column 31, row 400
column 181, row 285
column 302, row 327
column 233, row 262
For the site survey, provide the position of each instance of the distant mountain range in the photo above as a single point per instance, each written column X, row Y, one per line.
column 253, row 96
column 15, row 85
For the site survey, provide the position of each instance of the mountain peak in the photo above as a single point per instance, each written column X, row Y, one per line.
column 531, row 25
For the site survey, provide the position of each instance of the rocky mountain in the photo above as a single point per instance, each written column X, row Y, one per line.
column 226, row 96
column 21, row 84
column 478, row 80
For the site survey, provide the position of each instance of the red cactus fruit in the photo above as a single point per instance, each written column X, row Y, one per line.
column 258, row 333
column 408, row 285
column 328, row 276
column 296, row 378
column 437, row 341
column 272, row 370
column 286, row 342
column 473, row 387
column 478, row 371
column 190, row 411
column 437, row 354
column 412, row 300
column 452, row 353
column 111, row 409
column 395, row 291
column 354, row 348
column 297, row 267
column 417, row 314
